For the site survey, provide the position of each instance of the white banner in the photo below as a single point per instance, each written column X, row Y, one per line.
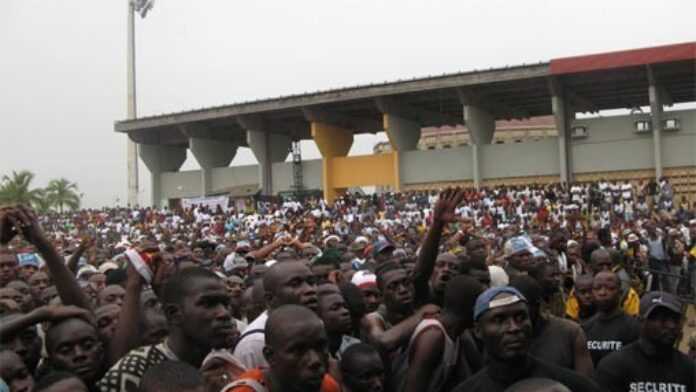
column 211, row 202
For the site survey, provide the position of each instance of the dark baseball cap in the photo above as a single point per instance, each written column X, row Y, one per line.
column 656, row 299
column 487, row 300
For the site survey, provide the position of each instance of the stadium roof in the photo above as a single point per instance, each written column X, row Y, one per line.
column 591, row 83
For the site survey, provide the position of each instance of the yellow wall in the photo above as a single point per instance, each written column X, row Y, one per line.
column 362, row 170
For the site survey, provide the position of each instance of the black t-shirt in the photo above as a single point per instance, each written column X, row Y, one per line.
column 493, row 379
column 638, row 368
column 608, row 334
column 554, row 341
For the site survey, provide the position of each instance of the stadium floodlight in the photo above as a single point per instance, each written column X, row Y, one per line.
column 143, row 6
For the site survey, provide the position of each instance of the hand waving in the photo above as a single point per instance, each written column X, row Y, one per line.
column 447, row 202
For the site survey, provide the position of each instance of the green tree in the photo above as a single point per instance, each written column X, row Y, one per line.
column 17, row 188
column 63, row 193
column 44, row 204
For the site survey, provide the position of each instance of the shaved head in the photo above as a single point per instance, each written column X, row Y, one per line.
column 283, row 321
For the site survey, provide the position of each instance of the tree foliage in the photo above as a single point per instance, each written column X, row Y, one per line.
column 16, row 188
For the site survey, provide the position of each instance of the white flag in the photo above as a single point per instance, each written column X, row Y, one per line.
column 143, row 6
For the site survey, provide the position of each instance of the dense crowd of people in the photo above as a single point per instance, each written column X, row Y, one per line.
column 513, row 288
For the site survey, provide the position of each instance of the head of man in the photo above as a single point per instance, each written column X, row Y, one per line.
column 532, row 291
column 48, row 294
column 97, row 282
column 396, row 287
column 172, row 376
column 548, row 275
column 38, row 282
column 446, row 266
column 153, row 326
column 24, row 289
column 362, row 369
column 8, row 266
column 26, row 343
column 107, row 320
column 601, row 260
column 16, row 296
column 254, row 300
column 112, row 294
column 290, row 282
column 324, row 268
column 296, row 348
column 73, row 345
column 459, row 299
column 502, row 322
column 196, row 304
column 382, row 251
column 537, row 385
column 583, row 291
column 60, row 381
column 28, row 265
column 518, row 252
column 661, row 315
column 14, row 372
column 366, row 281
column 476, row 250
column 235, row 289
column 606, row 292
column 334, row 312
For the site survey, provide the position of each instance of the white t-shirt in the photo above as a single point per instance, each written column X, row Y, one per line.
column 249, row 350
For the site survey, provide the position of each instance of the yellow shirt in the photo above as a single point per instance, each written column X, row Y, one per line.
column 630, row 304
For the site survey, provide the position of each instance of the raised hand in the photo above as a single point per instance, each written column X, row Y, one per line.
column 7, row 229
column 24, row 219
column 447, row 202
column 55, row 313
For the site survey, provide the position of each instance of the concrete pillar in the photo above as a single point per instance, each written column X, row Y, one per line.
column 404, row 135
column 210, row 154
column 332, row 141
column 656, row 115
column 481, row 126
column 563, row 116
column 268, row 148
column 159, row 159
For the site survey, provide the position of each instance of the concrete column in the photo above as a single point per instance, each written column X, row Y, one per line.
column 563, row 116
column 159, row 159
column 332, row 141
column 481, row 126
column 210, row 154
column 268, row 148
column 656, row 115
column 404, row 135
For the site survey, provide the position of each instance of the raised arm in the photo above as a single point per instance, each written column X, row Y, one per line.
column 126, row 335
column 443, row 213
column 69, row 291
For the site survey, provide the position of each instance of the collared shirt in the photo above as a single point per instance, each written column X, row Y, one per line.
column 249, row 350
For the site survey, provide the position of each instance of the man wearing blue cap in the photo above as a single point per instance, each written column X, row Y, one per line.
column 518, row 252
column 652, row 363
column 28, row 265
column 504, row 326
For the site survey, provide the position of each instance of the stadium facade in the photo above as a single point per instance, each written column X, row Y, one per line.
column 646, row 144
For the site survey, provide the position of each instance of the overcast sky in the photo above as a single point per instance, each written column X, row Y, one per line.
column 63, row 62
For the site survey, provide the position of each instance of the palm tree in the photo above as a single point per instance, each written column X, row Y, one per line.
column 44, row 204
column 17, row 188
column 63, row 193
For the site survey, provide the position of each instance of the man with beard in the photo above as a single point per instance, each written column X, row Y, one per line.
column 502, row 323
column 652, row 363
column 288, row 282
column 297, row 352
column 611, row 328
column 554, row 340
column 196, row 305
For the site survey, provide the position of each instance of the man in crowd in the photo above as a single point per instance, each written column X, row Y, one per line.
column 362, row 369
column 652, row 363
column 611, row 328
column 296, row 351
column 504, row 326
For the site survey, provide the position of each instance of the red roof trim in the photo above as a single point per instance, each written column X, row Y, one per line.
column 625, row 58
